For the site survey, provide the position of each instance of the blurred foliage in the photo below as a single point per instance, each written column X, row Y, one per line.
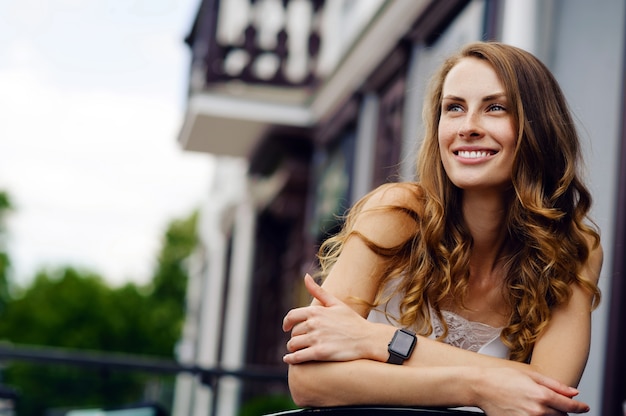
column 71, row 308
column 5, row 208
column 169, row 283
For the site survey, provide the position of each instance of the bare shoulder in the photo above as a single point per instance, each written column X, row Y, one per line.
column 594, row 262
column 406, row 195
column 388, row 216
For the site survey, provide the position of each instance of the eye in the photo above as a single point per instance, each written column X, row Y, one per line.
column 453, row 107
column 496, row 107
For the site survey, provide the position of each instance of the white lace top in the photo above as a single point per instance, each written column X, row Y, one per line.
column 469, row 335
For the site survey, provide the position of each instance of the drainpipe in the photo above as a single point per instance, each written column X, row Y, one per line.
column 365, row 147
column 186, row 348
column 215, row 225
column 237, row 306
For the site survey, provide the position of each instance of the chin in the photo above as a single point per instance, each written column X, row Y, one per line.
column 483, row 186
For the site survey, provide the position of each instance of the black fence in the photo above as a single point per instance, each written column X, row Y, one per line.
column 109, row 364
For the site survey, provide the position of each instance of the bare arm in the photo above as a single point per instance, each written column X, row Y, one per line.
column 338, row 357
column 351, row 380
column 562, row 350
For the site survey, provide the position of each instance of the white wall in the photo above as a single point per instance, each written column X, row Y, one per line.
column 587, row 60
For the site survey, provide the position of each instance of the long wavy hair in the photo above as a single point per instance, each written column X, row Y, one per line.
column 547, row 213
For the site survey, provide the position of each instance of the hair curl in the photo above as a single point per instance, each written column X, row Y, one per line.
column 547, row 222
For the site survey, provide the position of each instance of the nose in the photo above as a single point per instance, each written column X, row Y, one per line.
column 471, row 128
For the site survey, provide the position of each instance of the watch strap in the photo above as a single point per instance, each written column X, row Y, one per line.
column 394, row 358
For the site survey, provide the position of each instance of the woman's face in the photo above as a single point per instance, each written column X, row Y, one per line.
column 477, row 134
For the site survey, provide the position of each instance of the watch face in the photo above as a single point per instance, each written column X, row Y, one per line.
column 402, row 343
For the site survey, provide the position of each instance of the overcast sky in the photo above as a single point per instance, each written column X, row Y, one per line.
column 92, row 96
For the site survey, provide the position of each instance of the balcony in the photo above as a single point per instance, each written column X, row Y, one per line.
column 264, row 65
column 253, row 67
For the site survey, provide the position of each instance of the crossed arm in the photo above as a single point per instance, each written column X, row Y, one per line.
column 337, row 357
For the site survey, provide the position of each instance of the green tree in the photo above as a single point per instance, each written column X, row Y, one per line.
column 5, row 208
column 169, row 283
column 72, row 308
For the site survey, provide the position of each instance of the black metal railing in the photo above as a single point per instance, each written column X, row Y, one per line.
column 98, row 359
column 209, row 376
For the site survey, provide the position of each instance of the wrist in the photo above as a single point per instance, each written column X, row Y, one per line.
column 377, row 350
column 473, row 380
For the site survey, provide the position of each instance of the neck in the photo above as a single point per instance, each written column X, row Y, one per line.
column 485, row 215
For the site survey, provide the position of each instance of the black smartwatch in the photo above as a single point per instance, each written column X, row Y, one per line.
column 401, row 346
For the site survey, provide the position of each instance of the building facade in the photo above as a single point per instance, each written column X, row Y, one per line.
column 309, row 104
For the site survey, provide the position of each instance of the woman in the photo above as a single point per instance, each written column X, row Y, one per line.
column 489, row 258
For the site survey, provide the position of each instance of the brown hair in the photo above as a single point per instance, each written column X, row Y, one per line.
column 547, row 225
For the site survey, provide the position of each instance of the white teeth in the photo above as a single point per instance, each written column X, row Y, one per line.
column 473, row 154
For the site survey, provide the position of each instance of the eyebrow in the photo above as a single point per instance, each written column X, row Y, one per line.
column 490, row 97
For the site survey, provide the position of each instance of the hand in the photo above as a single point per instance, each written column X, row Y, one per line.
column 330, row 331
column 513, row 392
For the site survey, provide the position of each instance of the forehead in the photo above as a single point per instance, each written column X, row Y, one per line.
column 472, row 76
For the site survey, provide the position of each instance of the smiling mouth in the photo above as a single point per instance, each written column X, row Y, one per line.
column 474, row 154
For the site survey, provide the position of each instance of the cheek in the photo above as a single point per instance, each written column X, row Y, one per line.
column 445, row 140
column 445, row 134
column 509, row 133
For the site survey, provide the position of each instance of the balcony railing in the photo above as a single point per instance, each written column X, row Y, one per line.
column 267, row 42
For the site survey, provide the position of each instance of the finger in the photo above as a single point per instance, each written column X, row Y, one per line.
column 318, row 292
column 291, row 358
column 562, row 403
column 300, row 328
column 299, row 357
column 298, row 343
column 567, row 406
column 294, row 317
column 554, row 385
